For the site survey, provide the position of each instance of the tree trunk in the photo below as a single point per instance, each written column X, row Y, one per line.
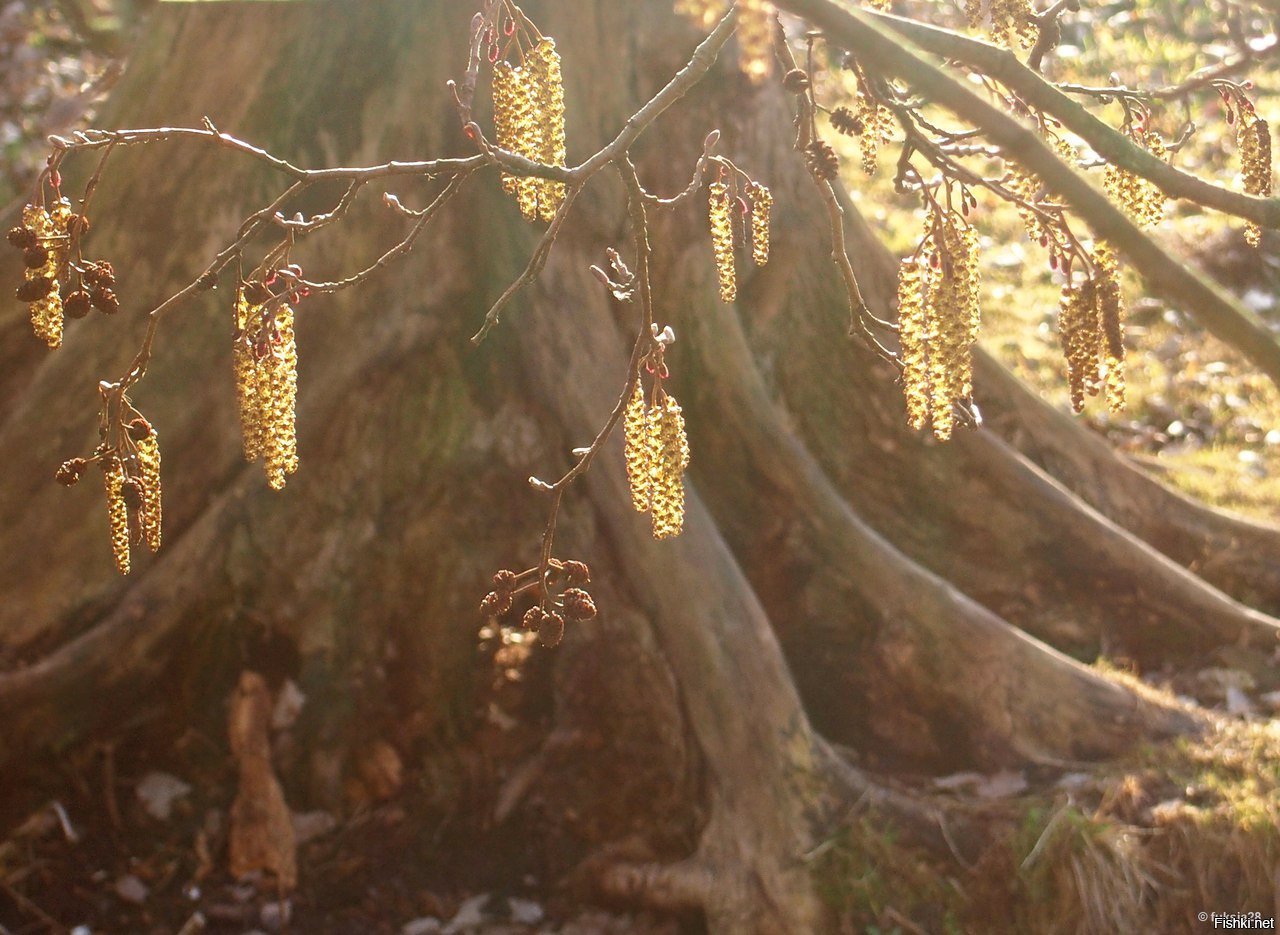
column 839, row 578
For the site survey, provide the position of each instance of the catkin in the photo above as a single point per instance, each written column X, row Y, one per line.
column 548, row 84
column 1254, row 138
column 939, row 318
column 869, row 122
column 1091, row 330
column 117, row 513
column 670, row 452
column 528, row 118
column 657, row 454
column 266, row 368
column 1139, row 198
column 913, row 338
column 149, row 473
column 1013, row 23
column 637, row 454
column 50, row 227
column 720, row 207
column 761, row 203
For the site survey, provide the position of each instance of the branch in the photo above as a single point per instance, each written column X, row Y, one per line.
column 1106, row 141
column 1164, row 275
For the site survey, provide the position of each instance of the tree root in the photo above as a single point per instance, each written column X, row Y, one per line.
column 977, row 513
column 1230, row 552
column 903, row 642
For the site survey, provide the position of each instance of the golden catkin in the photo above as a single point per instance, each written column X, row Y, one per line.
column 528, row 120
column 247, row 325
column 720, row 207
column 1013, row 23
column 504, row 107
column 1139, row 198
column 634, row 429
column 657, row 454
column 1091, row 330
column 149, row 474
column 939, row 318
column 117, row 513
column 669, row 451
column 50, row 227
column 1111, row 323
column 548, row 88
column 913, row 339
column 1253, row 135
column 280, row 456
column 266, row 367
column 761, row 203
column 869, row 122
column 1078, row 334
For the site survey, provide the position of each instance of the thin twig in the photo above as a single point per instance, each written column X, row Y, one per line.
column 536, row 262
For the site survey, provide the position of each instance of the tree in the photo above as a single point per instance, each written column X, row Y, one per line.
column 847, row 597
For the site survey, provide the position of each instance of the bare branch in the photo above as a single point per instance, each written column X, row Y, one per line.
column 1106, row 141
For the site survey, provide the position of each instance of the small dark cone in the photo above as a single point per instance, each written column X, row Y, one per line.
column 77, row 304
column 22, row 237
column 796, row 81
column 35, row 257
column 68, row 473
column 822, row 160
column 104, row 300
column 552, row 630
column 845, row 122
column 32, row 290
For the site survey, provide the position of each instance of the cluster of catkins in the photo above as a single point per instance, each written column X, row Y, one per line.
column 131, row 478
column 46, row 237
column 1140, row 199
column 657, row 453
column 755, row 25
column 265, row 356
column 721, row 207
column 1091, row 329
column 573, row 603
column 1253, row 135
column 868, row 121
column 938, row 318
column 1012, row 22
column 528, row 117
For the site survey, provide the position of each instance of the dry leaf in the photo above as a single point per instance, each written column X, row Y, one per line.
column 262, row 837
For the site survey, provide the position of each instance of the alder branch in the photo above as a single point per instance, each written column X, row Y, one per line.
column 639, row 222
column 1107, row 142
column 536, row 262
column 1164, row 275
column 98, row 139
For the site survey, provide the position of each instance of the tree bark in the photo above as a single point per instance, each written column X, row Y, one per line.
column 839, row 578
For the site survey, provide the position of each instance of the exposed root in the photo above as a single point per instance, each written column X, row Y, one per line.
column 1230, row 552
column 910, row 643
